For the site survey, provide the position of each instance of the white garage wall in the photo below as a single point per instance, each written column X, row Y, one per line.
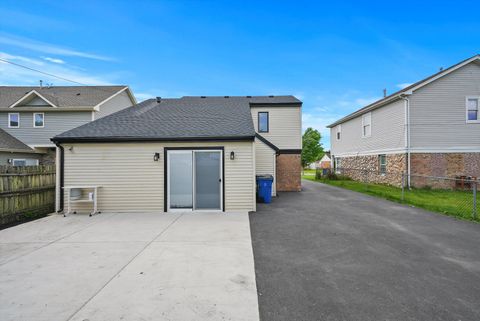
column 132, row 182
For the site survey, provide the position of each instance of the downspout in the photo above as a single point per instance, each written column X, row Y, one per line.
column 61, row 176
column 407, row 135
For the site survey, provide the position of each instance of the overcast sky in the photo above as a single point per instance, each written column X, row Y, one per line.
column 334, row 57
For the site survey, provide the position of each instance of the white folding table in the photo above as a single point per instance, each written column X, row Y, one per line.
column 70, row 201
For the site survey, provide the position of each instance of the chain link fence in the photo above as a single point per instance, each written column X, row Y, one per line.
column 456, row 196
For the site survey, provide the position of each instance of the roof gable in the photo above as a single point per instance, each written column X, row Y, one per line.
column 61, row 96
column 33, row 99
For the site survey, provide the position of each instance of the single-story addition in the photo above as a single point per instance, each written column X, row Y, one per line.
column 184, row 154
column 15, row 153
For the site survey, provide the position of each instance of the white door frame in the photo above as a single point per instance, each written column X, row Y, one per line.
column 192, row 152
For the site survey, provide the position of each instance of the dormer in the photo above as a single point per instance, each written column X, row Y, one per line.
column 33, row 99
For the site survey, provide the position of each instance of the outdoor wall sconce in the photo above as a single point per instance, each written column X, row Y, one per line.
column 156, row 157
column 232, row 155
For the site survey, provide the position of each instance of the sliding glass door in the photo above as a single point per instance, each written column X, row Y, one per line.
column 194, row 180
column 208, row 180
column 180, row 173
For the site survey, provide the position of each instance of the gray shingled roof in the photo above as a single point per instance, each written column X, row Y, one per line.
column 177, row 119
column 61, row 96
column 8, row 142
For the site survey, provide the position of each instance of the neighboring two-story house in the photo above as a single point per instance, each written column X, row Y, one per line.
column 185, row 154
column 33, row 115
column 430, row 128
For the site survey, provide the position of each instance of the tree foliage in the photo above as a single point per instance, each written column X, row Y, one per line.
column 312, row 149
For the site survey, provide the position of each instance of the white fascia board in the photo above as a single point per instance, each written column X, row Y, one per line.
column 126, row 88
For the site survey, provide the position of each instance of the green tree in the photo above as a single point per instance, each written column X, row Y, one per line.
column 312, row 149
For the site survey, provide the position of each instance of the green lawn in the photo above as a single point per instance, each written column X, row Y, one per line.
column 309, row 172
column 453, row 203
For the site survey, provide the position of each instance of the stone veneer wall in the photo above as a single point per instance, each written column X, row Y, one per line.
column 367, row 168
column 289, row 172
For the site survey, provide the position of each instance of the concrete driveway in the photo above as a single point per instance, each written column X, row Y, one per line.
column 129, row 267
column 331, row 254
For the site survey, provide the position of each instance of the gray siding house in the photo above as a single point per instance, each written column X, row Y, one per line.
column 184, row 154
column 430, row 128
column 33, row 115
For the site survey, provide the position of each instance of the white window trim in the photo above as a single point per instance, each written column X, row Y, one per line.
column 9, row 122
column 466, row 110
column 339, row 130
column 369, row 114
column 380, row 164
column 43, row 124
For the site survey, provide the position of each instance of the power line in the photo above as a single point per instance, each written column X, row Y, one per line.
column 42, row 72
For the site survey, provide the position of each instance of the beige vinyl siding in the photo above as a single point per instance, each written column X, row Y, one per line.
column 387, row 132
column 132, row 182
column 265, row 158
column 55, row 123
column 438, row 114
column 113, row 105
column 285, row 126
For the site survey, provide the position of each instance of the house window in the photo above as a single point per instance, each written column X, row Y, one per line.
column 263, row 122
column 367, row 125
column 382, row 164
column 25, row 162
column 339, row 132
column 338, row 165
column 13, row 120
column 38, row 120
column 473, row 109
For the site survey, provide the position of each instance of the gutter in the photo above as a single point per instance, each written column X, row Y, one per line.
column 61, row 178
column 57, row 140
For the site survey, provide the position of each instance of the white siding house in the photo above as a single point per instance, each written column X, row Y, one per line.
column 429, row 128
column 34, row 115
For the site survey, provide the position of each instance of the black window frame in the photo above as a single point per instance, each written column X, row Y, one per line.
column 268, row 122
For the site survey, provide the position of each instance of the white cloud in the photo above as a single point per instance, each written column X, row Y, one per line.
column 54, row 60
column 404, row 85
column 48, row 48
column 15, row 75
column 16, row 58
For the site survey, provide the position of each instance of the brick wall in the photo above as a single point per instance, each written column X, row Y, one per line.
column 289, row 171
column 446, row 164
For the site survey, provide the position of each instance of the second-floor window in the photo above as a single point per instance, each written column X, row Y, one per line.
column 339, row 132
column 473, row 110
column 38, row 120
column 13, row 120
column 367, row 125
column 263, row 122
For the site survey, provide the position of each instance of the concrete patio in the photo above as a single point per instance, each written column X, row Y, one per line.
column 129, row 267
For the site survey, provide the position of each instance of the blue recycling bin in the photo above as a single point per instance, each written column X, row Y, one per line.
column 264, row 188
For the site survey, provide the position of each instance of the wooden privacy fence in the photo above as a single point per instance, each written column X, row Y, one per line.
column 26, row 192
